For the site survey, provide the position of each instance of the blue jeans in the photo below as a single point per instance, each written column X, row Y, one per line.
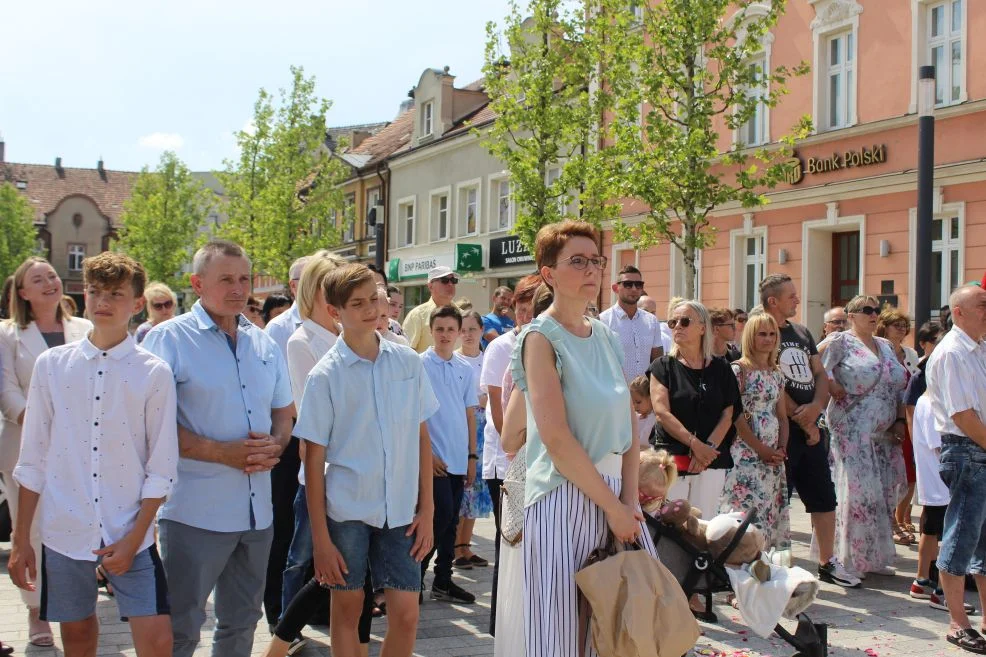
column 963, row 469
column 384, row 552
column 300, row 552
column 448, row 499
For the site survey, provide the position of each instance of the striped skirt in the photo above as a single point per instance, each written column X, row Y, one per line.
column 560, row 531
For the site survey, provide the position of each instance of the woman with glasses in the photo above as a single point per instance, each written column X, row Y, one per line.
column 582, row 452
column 161, row 306
column 255, row 312
column 757, row 481
column 696, row 400
column 865, row 418
column 895, row 325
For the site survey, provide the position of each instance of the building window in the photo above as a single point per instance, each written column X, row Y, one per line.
column 754, row 269
column 637, row 7
column 468, row 210
column 754, row 131
column 372, row 200
column 349, row 218
column 405, row 232
column 553, row 174
column 439, row 217
column 945, row 50
column 427, row 119
column 946, row 259
column 76, row 254
column 504, row 205
column 840, row 87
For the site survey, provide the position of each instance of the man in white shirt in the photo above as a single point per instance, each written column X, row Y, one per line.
column 957, row 386
column 282, row 326
column 99, row 452
column 640, row 332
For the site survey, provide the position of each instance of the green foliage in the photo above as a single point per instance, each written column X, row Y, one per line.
column 159, row 223
column 694, row 77
column 18, row 237
column 282, row 193
column 547, row 94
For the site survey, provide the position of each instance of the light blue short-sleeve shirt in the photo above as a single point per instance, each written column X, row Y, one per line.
column 222, row 396
column 454, row 384
column 367, row 416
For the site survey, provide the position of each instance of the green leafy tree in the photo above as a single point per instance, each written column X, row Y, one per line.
column 18, row 237
column 548, row 93
column 282, row 193
column 695, row 78
column 166, row 210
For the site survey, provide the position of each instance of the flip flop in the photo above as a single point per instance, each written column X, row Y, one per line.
column 968, row 639
column 42, row 639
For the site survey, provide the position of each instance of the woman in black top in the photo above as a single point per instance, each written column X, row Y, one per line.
column 696, row 400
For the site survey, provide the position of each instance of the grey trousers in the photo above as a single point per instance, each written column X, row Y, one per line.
column 197, row 561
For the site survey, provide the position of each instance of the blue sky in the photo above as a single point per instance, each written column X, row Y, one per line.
column 125, row 80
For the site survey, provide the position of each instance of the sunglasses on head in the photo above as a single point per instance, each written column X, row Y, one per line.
column 868, row 310
column 632, row 284
column 162, row 305
column 448, row 280
column 683, row 322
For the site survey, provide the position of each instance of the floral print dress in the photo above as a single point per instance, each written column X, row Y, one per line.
column 862, row 447
column 752, row 485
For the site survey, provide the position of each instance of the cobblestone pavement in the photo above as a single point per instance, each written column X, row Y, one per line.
column 877, row 621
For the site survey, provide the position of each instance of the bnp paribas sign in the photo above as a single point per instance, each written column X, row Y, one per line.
column 798, row 168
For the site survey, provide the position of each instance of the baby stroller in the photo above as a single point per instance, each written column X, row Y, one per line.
column 699, row 572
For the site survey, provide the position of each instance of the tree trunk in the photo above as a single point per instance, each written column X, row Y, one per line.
column 691, row 271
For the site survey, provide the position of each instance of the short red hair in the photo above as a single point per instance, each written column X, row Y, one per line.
column 525, row 289
column 551, row 239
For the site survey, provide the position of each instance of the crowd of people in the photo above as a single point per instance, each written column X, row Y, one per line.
column 306, row 459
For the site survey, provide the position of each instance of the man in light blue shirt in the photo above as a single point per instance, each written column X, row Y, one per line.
column 363, row 413
column 453, row 444
column 234, row 420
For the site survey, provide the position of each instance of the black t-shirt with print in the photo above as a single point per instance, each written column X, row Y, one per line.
column 797, row 348
column 697, row 399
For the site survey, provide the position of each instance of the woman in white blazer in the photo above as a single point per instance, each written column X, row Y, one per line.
column 37, row 322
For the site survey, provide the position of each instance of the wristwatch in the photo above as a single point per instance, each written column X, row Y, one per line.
column 473, row 457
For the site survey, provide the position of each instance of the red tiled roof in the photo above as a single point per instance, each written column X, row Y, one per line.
column 392, row 139
column 483, row 115
column 47, row 187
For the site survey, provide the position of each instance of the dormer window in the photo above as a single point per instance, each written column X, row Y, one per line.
column 427, row 119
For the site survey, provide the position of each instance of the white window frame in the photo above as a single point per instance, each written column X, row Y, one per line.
column 462, row 190
column 349, row 219
column 921, row 50
column 763, row 56
column 739, row 261
column 762, row 116
column 76, row 251
column 402, row 220
column 638, row 11
column 942, row 211
column 550, row 176
column 434, row 213
column 494, row 210
column 372, row 200
column 845, row 72
column 833, row 17
column 427, row 119
column 677, row 271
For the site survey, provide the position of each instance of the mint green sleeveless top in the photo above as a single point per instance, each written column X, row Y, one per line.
column 597, row 400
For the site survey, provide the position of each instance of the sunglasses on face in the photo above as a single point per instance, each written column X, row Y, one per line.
column 448, row 280
column 255, row 309
column 868, row 311
column 162, row 305
column 627, row 285
column 683, row 322
column 581, row 262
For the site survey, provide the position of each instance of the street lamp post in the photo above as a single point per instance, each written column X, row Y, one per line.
column 926, row 179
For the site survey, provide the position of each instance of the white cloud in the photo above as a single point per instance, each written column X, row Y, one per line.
column 250, row 127
column 162, row 141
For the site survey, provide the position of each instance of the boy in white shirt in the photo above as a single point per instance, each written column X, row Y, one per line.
column 99, row 451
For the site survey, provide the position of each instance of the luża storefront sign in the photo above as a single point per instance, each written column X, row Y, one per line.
column 862, row 157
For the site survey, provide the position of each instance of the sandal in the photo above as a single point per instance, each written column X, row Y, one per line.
column 42, row 638
column 901, row 537
column 911, row 529
column 967, row 639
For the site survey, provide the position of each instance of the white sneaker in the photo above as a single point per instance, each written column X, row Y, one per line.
column 834, row 572
column 885, row 571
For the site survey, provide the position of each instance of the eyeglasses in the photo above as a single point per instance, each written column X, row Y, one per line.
column 868, row 310
column 837, row 322
column 581, row 262
column 632, row 284
column 447, row 280
column 729, row 324
column 684, row 322
column 902, row 326
column 162, row 305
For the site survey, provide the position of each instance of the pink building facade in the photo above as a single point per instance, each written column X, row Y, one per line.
column 847, row 223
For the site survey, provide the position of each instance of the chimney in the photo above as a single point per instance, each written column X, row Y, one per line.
column 357, row 137
column 2, row 149
column 100, row 169
column 58, row 167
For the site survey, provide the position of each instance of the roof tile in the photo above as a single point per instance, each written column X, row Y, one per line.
column 46, row 187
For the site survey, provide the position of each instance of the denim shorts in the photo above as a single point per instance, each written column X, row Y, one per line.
column 69, row 590
column 386, row 550
column 963, row 469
